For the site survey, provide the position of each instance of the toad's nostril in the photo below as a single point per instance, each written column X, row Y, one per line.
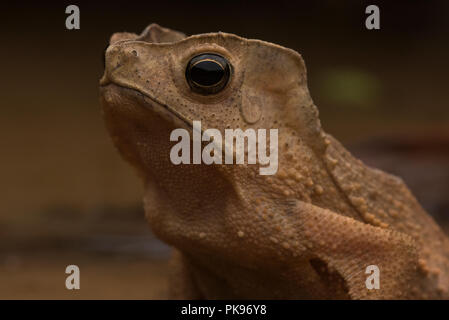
column 118, row 56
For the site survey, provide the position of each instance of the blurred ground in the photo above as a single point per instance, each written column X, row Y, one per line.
column 40, row 277
column 67, row 197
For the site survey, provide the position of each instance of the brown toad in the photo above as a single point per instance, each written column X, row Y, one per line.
column 310, row 230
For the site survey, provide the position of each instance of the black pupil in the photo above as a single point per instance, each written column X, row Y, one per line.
column 207, row 72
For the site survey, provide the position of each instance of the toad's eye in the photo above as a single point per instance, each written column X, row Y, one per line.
column 208, row 73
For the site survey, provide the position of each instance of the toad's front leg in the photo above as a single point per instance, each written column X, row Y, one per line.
column 348, row 247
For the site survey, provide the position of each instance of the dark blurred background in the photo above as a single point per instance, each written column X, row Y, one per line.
column 67, row 197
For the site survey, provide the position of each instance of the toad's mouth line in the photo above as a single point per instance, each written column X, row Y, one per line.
column 147, row 104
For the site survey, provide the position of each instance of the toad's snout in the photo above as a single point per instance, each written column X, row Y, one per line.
column 118, row 59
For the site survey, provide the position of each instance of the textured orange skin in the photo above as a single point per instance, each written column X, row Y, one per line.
column 307, row 232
